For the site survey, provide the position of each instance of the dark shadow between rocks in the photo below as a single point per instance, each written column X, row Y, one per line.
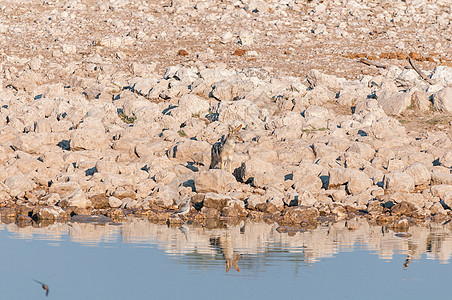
column 167, row 110
column 189, row 183
column 362, row 133
column 65, row 145
column 90, row 171
column 192, row 167
column 436, row 162
column 288, row 177
column 325, row 181
column 293, row 202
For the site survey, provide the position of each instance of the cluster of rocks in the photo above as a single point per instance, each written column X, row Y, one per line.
column 88, row 127
column 146, row 144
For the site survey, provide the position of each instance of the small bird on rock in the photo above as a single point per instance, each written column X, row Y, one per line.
column 184, row 209
column 44, row 286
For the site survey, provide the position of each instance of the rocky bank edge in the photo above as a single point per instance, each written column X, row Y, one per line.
column 143, row 144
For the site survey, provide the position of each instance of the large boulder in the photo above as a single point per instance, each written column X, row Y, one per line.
column 298, row 214
column 391, row 100
column 143, row 85
column 306, row 177
column 76, row 199
column 442, row 73
column 398, row 181
column 219, row 201
column 244, row 111
column 419, row 172
column 364, row 150
column 446, row 159
column 136, row 106
column 49, row 214
column 18, row 185
column 90, row 135
column 194, row 104
column 386, row 127
column 315, row 78
column 32, row 142
column 64, row 189
column 442, row 100
column 193, row 151
column 441, row 190
column 357, row 181
column 442, row 178
column 165, row 196
column 447, row 198
column 261, row 173
column 405, row 208
column 227, row 90
column 215, row 181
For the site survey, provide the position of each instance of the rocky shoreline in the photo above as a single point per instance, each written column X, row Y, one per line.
column 100, row 141
column 144, row 150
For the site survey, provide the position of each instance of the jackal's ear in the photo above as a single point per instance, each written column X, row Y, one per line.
column 238, row 127
column 230, row 128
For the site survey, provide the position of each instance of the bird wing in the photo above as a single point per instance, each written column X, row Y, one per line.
column 41, row 283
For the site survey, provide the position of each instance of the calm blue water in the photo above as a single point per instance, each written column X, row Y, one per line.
column 139, row 260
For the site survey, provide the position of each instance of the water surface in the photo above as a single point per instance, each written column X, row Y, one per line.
column 139, row 260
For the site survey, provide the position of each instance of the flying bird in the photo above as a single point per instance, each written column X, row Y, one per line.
column 44, row 286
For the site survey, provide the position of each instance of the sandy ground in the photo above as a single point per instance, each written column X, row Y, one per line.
column 285, row 39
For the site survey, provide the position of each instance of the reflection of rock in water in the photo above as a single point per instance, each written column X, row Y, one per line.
column 407, row 262
column 206, row 245
column 185, row 230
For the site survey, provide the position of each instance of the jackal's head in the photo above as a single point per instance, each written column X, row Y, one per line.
column 234, row 133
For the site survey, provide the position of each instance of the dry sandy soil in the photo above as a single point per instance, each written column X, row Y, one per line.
column 289, row 37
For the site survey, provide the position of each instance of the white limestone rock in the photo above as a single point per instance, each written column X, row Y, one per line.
column 316, row 78
column 246, row 38
column 32, row 142
column 356, row 181
column 245, row 111
column 64, row 189
column 441, row 178
column 18, row 185
column 90, row 135
column 391, row 100
column 49, row 213
column 228, row 90
column 214, row 180
column 446, row 159
column 192, row 151
column 442, row 73
column 196, row 105
column 398, row 181
column 77, row 199
column 114, row 202
column 442, row 100
column 419, row 172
